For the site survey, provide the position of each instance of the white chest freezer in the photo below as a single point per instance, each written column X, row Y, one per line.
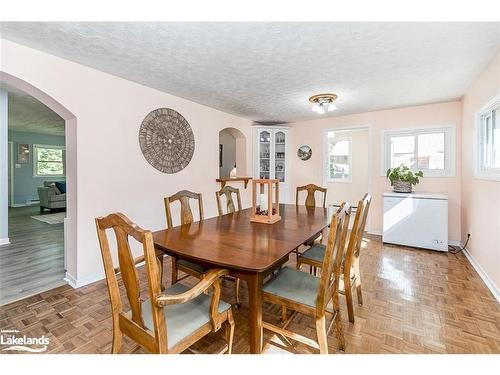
column 416, row 219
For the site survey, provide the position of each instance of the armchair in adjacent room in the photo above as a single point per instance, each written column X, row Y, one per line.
column 51, row 196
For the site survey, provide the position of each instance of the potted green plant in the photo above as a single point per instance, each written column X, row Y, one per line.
column 403, row 178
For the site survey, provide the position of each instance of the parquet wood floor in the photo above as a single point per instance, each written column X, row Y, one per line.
column 415, row 301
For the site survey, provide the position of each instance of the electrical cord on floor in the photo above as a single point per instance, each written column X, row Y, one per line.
column 453, row 250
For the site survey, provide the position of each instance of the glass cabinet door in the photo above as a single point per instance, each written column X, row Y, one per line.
column 279, row 155
column 264, row 154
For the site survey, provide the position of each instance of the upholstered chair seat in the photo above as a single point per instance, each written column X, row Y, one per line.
column 350, row 275
column 294, row 286
column 315, row 253
column 306, row 294
column 185, row 318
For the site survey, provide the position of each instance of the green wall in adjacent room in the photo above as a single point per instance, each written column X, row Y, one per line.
column 25, row 185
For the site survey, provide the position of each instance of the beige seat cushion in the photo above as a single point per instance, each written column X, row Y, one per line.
column 185, row 318
column 294, row 285
column 315, row 253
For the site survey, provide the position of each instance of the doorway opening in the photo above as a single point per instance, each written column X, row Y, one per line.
column 38, row 200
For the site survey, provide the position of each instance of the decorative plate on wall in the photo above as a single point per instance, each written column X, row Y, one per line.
column 304, row 152
column 166, row 140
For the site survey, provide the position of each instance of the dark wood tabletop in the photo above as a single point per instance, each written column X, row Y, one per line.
column 232, row 241
column 247, row 249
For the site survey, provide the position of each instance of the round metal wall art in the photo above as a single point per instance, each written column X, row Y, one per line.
column 304, row 152
column 166, row 140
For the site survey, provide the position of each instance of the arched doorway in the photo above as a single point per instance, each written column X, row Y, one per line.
column 70, row 225
column 232, row 151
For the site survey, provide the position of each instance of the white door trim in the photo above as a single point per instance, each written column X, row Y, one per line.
column 11, row 195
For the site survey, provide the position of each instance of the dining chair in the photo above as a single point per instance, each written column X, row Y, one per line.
column 228, row 192
column 164, row 322
column 351, row 276
column 184, row 197
column 310, row 202
column 311, row 190
column 307, row 294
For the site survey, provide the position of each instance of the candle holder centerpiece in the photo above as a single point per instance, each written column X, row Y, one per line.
column 265, row 209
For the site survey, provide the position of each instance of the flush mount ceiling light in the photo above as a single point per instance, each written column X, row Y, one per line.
column 323, row 103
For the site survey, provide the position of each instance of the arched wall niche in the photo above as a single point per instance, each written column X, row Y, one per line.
column 234, row 151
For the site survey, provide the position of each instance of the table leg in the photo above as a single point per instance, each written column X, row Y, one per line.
column 254, row 283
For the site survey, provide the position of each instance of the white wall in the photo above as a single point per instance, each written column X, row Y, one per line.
column 311, row 133
column 4, row 177
column 112, row 174
column 353, row 191
column 481, row 198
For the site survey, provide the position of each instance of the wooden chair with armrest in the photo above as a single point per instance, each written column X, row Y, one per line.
column 351, row 276
column 310, row 295
column 184, row 196
column 165, row 322
column 228, row 192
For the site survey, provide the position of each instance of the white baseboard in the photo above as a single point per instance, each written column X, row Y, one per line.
column 76, row 283
column 26, row 204
column 484, row 276
column 70, row 280
column 374, row 232
column 4, row 241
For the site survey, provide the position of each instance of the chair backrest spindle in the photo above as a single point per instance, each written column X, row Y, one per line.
column 366, row 207
column 332, row 261
column 357, row 231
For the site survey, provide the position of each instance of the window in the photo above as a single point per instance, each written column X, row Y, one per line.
column 339, row 158
column 488, row 141
column 48, row 161
column 431, row 150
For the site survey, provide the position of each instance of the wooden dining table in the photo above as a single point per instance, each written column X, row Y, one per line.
column 250, row 251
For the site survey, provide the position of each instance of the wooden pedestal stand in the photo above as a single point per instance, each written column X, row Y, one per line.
column 272, row 214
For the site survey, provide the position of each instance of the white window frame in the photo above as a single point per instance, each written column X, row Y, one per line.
column 480, row 171
column 449, row 148
column 35, row 161
column 328, row 177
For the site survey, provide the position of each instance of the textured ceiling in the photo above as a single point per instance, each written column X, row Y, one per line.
column 26, row 114
column 267, row 71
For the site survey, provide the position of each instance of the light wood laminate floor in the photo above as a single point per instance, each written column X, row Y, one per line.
column 415, row 301
column 34, row 260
